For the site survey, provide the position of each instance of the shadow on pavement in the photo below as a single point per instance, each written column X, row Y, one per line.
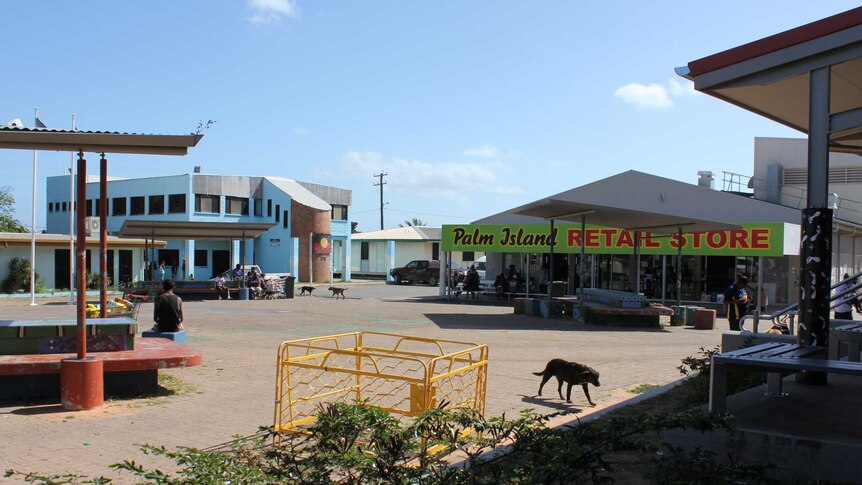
column 550, row 402
column 469, row 321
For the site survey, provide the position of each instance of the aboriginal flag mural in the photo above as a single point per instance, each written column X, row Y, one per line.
column 321, row 243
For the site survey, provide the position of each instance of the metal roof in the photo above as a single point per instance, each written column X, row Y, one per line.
column 637, row 200
column 192, row 229
column 23, row 239
column 95, row 141
column 770, row 76
column 299, row 193
column 409, row 233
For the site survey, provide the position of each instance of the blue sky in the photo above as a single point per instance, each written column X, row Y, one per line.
column 470, row 107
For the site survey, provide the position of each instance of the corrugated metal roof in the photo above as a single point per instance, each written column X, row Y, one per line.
column 409, row 233
column 57, row 139
column 299, row 193
column 64, row 130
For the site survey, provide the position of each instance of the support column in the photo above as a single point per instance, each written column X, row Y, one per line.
column 103, row 236
column 636, row 263
column 551, row 261
column 582, row 262
column 681, row 241
column 81, row 248
column 816, row 244
column 81, row 379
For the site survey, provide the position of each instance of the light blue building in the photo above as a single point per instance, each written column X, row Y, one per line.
column 286, row 211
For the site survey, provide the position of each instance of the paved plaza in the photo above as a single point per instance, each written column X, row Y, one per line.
column 232, row 393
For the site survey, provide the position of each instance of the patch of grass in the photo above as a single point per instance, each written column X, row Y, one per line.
column 642, row 388
column 174, row 385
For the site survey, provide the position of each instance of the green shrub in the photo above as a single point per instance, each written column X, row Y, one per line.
column 698, row 369
column 19, row 276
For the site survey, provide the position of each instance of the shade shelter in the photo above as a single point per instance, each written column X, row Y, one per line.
column 810, row 79
column 193, row 230
column 81, row 378
column 639, row 211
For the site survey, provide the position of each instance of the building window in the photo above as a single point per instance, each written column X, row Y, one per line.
column 258, row 207
column 435, row 250
column 277, row 211
column 64, row 207
column 268, row 207
column 157, row 204
column 201, row 257
column 50, row 207
column 469, row 256
column 207, row 203
column 363, row 250
column 88, row 211
column 119, row 206
column 136, row 206
column 339, row 212
column 236, row 206
column 176, row 203
column 284, row 221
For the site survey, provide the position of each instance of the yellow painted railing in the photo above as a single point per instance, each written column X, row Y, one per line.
column 402, row 374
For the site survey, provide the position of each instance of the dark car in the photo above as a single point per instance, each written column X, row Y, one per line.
column 419, row 271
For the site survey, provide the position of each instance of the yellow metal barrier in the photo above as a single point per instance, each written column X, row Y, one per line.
column 401, row 374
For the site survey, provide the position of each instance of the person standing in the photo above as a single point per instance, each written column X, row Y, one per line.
column 168, row 309
column 846, row 303
column 736, row 298
column 162, row 271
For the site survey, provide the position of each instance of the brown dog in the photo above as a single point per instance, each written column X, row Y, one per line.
column 571, row 373
column 336, row 292
column 305, row 289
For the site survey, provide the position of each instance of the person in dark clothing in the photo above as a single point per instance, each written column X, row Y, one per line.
column 737, row 298
column 168, row 309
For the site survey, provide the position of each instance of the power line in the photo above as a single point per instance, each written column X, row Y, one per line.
column 381, row 184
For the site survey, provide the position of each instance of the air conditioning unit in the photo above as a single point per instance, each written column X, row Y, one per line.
column 94, row 226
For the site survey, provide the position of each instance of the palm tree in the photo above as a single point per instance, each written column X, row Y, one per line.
column 413, row 222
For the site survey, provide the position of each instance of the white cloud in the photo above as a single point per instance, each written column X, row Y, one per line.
column 486, row 150
column 447, row 180
column 644, row 96
column 301, row 131
column 685, row 88
column 271, row 11
column 655, row 95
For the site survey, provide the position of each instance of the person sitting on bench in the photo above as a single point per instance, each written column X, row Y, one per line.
column 221, row 289
column 168, row 309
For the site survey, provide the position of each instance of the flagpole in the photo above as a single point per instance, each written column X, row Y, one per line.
column 72, row 223
column 33, row 225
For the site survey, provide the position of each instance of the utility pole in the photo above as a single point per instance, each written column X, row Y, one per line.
column 381, row 184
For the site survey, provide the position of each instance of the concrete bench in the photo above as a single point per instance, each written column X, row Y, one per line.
column 774, row 359
column 178, row 337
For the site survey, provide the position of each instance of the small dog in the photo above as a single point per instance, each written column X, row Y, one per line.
column 571, row 373
column 305, row 289
column 337, row 291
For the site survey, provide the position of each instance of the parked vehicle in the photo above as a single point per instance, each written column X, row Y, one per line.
column 480, row 267
column 228, row 275
column 419, row 271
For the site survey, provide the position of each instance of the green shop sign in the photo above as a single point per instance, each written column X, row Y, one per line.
column 753, row 239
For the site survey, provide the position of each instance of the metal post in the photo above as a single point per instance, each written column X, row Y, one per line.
column 103, row 236
column 816, row 245
column 636, row 264
column 759, row 298
column 551, row 262
column 82, row 257
column 528, row 274
column 679, row 268
column 33, row 227
column 582, row 262
column 72, row 223
column 311, row 259
column 663, row 279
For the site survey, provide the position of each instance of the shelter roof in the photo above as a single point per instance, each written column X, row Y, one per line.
column 637, row 200
column 770, row 76
column 23, row 239
column 409, row 233
column 299, row 193
column 94, row 141
column 192, row 229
